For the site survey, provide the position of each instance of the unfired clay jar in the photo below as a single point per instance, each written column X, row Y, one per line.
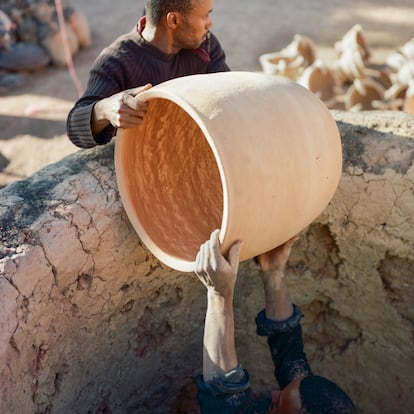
column 281, row 65
column 362, row 94
column 409, row 99
column 291, row 60
column 255, row 155
column 354, row 39
column 321, row 80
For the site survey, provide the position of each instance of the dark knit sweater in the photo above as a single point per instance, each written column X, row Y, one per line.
column 130, row 62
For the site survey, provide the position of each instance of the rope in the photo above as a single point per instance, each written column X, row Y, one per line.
column 66, row 47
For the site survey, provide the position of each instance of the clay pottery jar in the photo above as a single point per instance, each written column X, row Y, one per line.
column 354, row 39
column 291, row 60
column 351, row 65
column 320, row 80
column 394, row 98
column 301, row 46
column 406, row 73
column 53, row 43
column 280, row 65
column 409, row 99
column 80, row 26
column 353, row 55
column 395, row 60
column 363, row 94
column 256, row 156
column 396, row 91
column 408, row 49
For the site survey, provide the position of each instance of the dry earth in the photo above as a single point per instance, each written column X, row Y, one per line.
column 32, row 117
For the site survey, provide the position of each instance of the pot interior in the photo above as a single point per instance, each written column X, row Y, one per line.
column 173, row 184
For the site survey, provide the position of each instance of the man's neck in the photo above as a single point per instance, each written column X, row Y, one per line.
column 156, row 36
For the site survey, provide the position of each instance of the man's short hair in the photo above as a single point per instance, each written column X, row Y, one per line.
column 322, row 396
column 156, row 9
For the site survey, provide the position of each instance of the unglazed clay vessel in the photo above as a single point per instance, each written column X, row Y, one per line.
column 354, row 39
column 350, row 65
column 363, row 94
column 281, row 65
column 353, row 56
column 409, row 99
column 321, row 80
column 257, row 156
column 291, row 60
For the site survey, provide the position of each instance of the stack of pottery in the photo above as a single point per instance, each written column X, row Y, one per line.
column 321, row 80
column 362, row 90
column 365, row 93
column 291, row 61
column 409, row 99
column 17, row 56
column 402, row 64
column 36, row 23
column 352, row 82
column 353, row 55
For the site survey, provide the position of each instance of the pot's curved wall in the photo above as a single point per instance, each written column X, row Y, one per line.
column 218, row 160
column 91, row 322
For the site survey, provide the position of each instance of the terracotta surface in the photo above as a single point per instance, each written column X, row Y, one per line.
column 238, row 151
column 409, row 104
column 363, row 94
column 320, row 80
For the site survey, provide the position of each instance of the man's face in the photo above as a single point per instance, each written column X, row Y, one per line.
column 194, row 26
column 288, row 400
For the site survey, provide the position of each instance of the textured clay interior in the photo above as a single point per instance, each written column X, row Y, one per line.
column 173, row 182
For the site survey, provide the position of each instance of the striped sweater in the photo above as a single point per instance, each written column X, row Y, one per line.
column 130, row 62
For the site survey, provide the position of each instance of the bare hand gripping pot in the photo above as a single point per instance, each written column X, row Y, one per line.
column 257, row 156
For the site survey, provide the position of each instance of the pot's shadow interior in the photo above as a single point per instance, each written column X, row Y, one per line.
column 172, row 180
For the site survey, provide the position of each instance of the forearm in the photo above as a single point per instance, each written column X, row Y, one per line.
column 278, row 304
column 219, row 354
column 288, row 356
column 79, row 126
column 98, row 119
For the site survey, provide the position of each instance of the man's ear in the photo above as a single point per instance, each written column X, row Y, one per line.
column 173, row 19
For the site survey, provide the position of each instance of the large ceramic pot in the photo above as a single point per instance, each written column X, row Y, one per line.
column 255, row 155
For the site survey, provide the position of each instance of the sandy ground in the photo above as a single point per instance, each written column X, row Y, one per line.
column 32, row 117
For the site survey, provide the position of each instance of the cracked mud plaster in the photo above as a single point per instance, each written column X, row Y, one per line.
column 91, row 322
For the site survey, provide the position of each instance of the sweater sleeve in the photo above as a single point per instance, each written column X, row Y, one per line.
column 78, row 127
column 105, row 80
column 288, row 356
column 107, row 77
column 285, row 341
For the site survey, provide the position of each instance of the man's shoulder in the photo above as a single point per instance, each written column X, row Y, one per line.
column 127, row 45
column 124, row 42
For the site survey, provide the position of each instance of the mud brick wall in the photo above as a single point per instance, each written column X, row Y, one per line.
column 90, row 322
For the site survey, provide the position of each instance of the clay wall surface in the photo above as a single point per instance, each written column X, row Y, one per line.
column 90, row 322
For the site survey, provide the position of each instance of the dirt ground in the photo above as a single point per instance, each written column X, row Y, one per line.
column 32, row 117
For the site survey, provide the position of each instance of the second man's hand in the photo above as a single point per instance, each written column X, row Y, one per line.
column 216, row 272
column 278, row 305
